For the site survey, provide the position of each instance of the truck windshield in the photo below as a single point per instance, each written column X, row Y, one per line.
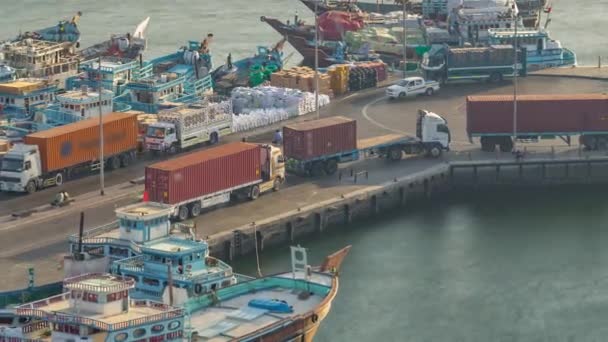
column 12, row 165
column 156, row 132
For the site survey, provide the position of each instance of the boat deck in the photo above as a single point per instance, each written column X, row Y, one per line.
column 233, row 318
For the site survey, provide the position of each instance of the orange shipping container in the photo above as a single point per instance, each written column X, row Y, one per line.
column 78, row 143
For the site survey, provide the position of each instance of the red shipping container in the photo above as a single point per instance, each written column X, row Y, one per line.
column 77, row 143
column 572, row 113
column 311, row 139
column 204, row 172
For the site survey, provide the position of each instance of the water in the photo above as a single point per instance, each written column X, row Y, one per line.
column 236, row 25
column 518, row 266
column 522, row 266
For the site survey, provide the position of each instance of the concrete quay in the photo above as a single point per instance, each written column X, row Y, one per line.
column 313, row 205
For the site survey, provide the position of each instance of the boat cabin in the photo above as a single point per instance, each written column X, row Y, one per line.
column 115, row 74
column 185, row 264
column 76, row 105
column 98, row 307
column 42, row 59
column 19, row 98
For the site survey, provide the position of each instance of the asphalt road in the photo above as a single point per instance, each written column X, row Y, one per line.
column 42, row 244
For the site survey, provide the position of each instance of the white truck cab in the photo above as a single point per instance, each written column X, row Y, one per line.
column 432, row 130
column 161, row 136
column 411, row 86
column 21, row 169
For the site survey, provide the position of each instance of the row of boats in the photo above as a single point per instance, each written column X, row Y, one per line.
column 359, row 30
column 142, row 278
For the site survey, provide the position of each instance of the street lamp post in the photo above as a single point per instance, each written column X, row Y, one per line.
column 317, row 59
column 515, row 71
column 101, row 162
column 404, row 41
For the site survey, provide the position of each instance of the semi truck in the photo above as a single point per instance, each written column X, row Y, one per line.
column 49, row 157
column 314, row 148
column 490, row 118
column 203, row 179
column 492, row 63
column 189, row 125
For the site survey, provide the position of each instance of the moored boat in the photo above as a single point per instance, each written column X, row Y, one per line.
column 128, row 46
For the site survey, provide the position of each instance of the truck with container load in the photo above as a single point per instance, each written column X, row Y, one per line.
column 206, row 178
column 492, row 63
column 49, row 157
column 317, row 147
column 490, row 118
column 189, row 125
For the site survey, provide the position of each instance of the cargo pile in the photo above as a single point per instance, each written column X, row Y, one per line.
column 261, row 106
column 483, row 56
column 338, row 76
column 302, row 78
column 362, row 77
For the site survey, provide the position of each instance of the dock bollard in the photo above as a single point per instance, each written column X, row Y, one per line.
column 552, row 152
column 340, row 175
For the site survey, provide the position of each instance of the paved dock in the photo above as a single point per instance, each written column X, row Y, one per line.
column 42, row 241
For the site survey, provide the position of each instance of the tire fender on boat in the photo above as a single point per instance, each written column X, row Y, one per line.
column 314, row 318
column 263, row 19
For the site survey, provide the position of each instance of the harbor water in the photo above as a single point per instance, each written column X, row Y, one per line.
column 516, row 266
column 579, row 25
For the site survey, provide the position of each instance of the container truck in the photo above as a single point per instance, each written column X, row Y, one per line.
column 493, row 63
column 490, row 118
column 317, row 147
column 49, row 157
column 189, row 125
column 206, row 178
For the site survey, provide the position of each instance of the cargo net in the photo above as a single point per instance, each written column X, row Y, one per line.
column 263, row 106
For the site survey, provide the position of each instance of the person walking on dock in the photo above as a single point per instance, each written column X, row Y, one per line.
column 278, row 137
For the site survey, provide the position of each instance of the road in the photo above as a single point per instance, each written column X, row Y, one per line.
column 44, row 242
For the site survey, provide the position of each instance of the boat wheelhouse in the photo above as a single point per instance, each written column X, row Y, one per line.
column 542, row 51
column 183, row 76
column 76, row 105
column 142, row 245
column 41, row 59
column 174, row 264
column 473, row 20
column 114, row 72
column 98, row 307
column 19, row 98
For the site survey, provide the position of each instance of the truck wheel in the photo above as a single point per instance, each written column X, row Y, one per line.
column 113, row 163
column 59, row 179
column 395, row 154
column 276, row 186
column 213, row 138
column 125, row 160
column 30, row 187
column 331, row 166
column 316, row 170
column 195, row 209
column 401, row 95
column 495, row 77
column 506, row 145
column 172, row 149
column 182, row 213
column 487, row 145
column 429, row 91
column 254, row 193
column 434, row 151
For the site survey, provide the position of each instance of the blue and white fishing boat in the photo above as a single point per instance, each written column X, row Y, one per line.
column 182, row 77
column 143, row 246
column 114, row 73
column 65, row 31
column 20, row 98
column 542, row 51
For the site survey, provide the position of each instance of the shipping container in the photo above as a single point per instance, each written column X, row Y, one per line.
column 537, row 114
column 203, row 172
column 77, row 143
column 317, row 138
